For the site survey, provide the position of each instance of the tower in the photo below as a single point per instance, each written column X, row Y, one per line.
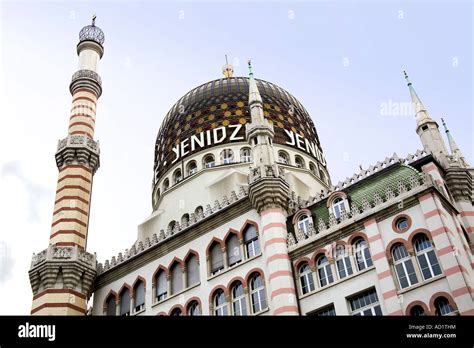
column 427, row 128
column 61, row 276
column 268, row 192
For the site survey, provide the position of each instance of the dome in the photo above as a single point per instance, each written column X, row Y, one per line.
column 223, row 103
column 92, row 33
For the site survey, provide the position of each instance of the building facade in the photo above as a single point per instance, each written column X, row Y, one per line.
column 246, row 221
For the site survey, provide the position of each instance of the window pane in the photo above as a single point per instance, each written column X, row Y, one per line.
column 233, row 250
column 401, row 275
column 176, row 279
column 434, row 262
column 411, row 272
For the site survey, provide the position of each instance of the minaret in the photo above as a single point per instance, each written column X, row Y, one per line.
column 427, row 128
column 455, row 150
column 61, row 276
column 268, row 192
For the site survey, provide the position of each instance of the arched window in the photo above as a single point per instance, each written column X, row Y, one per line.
column 171, row 225
column 283, row 157
column 257, row 293
column 252, row 244
column 220, row 305
column 185, row 220
column 245, row 155
column 299, row 162
column 303, row 224
column 111, row 306
column 443, row 307
column 306, row 279
column 322, row 176
column 217, row 259
column 338, row 207
column 176, row 312
column 343, row 262
column 403, row 266
column 192, row 270
column 362, row 254
column 208, row 161
column 313, row 168
column 158, row 194
column 176, row 278
column 239, row 306
column 177, row 176
column 194, row 309
column 161, row 286
column 125, row 302
column 426, row 257
column 199, row 211
column 233, row 250
column 139, row 296
column 191, row 168
column 166, row 184
column 324, row 271
column 417, row 311
column 227, row 156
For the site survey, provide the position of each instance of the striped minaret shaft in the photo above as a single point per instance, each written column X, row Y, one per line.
column 74, row 188
column 62, row 275
column 268, row 191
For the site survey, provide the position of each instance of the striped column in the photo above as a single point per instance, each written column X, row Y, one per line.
column 82, row 119
column 384, row 273
column 466, row 211
column 74, row 188
column 433, row 170
column 280, row 275
column 59, row 302
column 455, row 273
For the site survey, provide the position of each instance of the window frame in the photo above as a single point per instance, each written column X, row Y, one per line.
column 257, row 292
column 403, row 261
column 306, row 278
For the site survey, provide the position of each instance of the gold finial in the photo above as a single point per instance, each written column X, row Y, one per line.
column 93, row 19
column 227, row 69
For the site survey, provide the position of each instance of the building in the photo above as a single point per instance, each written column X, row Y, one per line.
column 245, row 219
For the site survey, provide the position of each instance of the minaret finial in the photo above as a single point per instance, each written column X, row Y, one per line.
column 93, row 20
column 250, row 68
column 406, row 77
column 227, row 69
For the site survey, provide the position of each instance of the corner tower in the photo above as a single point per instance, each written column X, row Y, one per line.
column 61, row 276
column 427, row 128
column 269, row 192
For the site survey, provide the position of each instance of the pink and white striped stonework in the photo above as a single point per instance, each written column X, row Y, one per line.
column 280, row 276
column 456, row 274
column 384, row 274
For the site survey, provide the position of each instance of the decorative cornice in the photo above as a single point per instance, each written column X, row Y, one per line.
column 163, row 236
column 296, row 202
column 459, row 182
column 417, row 184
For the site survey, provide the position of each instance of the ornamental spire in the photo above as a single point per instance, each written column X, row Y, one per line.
column 420, row 110
column 455, row 150
column 255, row 99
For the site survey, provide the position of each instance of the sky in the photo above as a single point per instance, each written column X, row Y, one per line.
column 341, row 59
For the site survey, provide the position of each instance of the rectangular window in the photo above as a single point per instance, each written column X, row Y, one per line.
column 365, row 303
column 326, row 311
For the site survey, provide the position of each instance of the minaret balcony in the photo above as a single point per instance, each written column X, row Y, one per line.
column 78, row 149
column 87, row 79
column 80, row 265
